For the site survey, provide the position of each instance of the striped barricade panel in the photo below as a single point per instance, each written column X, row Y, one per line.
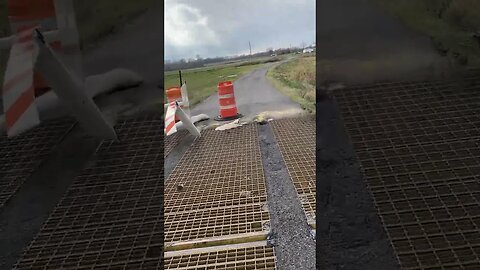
column 18, row 89
column 170, row 118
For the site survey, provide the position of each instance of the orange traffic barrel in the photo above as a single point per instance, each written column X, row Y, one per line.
column 226, row 100
column 39, row 12
column 174, row 94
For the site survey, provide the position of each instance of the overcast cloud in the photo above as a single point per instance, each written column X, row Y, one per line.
column 212, row 28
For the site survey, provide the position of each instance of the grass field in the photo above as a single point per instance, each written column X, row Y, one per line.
column 296, row 79
column 450, row 23
column 202, row 82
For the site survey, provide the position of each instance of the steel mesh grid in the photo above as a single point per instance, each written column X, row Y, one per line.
column 173, row 140
column 296, row 139
column 222, row 187
column 109, row 218
column 180, row 226
column 20, row 156
column 9, row 186
column 202, row 202
column 241, row 258
column 427, row 191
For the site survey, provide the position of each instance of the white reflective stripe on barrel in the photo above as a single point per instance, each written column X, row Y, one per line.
column 226, row 96
column 228, row 107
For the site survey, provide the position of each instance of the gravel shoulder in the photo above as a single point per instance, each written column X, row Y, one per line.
column 293, row 238
column 349, row 231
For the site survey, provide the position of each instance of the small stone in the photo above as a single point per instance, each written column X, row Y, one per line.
column 180, row 187
column 266, row 226
column 245, row 194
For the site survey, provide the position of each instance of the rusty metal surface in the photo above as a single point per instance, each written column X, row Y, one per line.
column 296, row 138
column 111, row 217
column 20, row 156
column 218, row 188
column 253, row 258
column 173, row 140
column 419, row 148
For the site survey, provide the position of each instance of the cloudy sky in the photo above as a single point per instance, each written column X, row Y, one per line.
column 212, row 28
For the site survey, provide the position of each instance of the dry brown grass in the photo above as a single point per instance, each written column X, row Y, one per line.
column 296, row 79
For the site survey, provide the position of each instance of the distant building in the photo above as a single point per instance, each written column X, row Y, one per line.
column 308, row 50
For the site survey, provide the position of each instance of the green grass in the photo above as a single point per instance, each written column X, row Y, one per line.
column 449, row 23
column 296, row 79
column 202, row 83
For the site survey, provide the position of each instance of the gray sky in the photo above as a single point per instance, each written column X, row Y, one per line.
column 212, row 28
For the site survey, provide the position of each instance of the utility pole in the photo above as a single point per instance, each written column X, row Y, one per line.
column 250, row 46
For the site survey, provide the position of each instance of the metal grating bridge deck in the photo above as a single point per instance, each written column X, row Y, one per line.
column 296, row 138
column 252, row 257
column 111, row 216
column 218, row 188
column 419, row 147
column 216, row 198
column 173, row 140
column 20, row 156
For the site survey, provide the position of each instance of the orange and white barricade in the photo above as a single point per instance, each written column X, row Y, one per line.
column 21, row 82
column 179, row 107
column 174, row 110
column 18, row 89
column 170, row 118
column 57, row 19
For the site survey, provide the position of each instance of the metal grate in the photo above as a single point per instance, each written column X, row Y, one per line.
column 20, row 156
column 419, row 147
column 296, row 138
column 112, row 215
column 218, row 188
column 173, row 140
column 254, row 258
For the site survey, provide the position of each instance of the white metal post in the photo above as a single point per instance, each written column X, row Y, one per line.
column 185, row 102
column 187, row 122
column 69, row 36
column 70, row 90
